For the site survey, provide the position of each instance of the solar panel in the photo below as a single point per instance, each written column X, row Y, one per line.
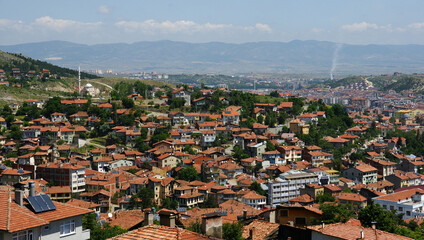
column 48, row 201
column 41, row 203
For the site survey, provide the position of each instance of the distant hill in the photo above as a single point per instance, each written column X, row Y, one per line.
column 215, row 57
column 25, row 64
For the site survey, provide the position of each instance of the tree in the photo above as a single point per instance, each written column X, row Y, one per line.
column 270, row 146
column 52, row 105
column 127, row 103
column 274, row 94
column 383, row 219
column 257, row 188
column 15, row 133
column 209, row 203
column 334, row 213
column 169, row 204
column 195, row 227
column 188, row 174
column 325, row 197
column 260, row 119
column 89, row 221
column 232, row 231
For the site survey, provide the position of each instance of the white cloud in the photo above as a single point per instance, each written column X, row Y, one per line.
column 416, row 25
column 47, row 23
column 61, row 25
column 183, row 26
column 317, row 30
column 360, row 27
column 104, row 9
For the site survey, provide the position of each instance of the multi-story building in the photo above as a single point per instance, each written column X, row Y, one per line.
column 288, row 185
column 408, row 202
column 290, row 154
column 363, row 173
column 63, row 175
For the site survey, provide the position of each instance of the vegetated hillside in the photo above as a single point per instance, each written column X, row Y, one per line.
column 217, row 57
column 412, row 83
column 25, row 64
column 399, row 83
column 344, row 81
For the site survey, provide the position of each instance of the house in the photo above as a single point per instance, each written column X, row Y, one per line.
column 58, row 117
column 298, row 215
column 353, row 200
column 348, row 231
column 363, row 173
column 26, row 220
column 384, row 167
column 254, row 200
column 231, row 115
column 9, row 176
column 183, row 94
column 168, row 159
column 299, row 126
column 313, row 190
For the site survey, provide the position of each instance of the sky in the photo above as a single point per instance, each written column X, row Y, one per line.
column 232, row 21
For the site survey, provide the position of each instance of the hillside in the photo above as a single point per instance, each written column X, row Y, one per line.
column 217, row 57
column 399, row 83
column 25, row 64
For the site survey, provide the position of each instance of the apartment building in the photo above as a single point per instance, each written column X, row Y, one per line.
column 63, row 175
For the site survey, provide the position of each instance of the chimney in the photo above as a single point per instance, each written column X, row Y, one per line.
column 31, row 188
column 212, row 224
column 117, row 182
column 272, row 218
column 252, row 233
column 362, row 233
column 148, row 216
column 244, row 214
column 373, row 225
column 167, row 218
column 19, row 199
column 323, row 225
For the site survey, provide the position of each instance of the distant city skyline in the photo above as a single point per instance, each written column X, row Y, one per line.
column 238, row 21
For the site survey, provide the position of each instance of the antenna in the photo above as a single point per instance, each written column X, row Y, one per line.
column 79, row 80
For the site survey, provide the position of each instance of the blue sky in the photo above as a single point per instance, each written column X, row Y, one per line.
column 235, row 21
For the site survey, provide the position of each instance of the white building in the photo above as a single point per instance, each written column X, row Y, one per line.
column 409, row 202
column 288, row 185
column 254, row 200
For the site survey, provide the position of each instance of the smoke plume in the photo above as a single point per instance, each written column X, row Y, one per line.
column 335, row 59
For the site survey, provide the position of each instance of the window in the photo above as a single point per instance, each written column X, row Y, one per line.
column 300, row 221
column 401, row 209
column 22, row 235
column 284, row 213
column 67, row 227
column 392, row 207
column 408, row 213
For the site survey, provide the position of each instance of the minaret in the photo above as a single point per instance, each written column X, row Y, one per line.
column 79, row 80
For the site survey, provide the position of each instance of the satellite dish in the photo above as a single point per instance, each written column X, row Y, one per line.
column 109, row 215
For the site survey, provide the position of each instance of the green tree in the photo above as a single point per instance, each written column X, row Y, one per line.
column 209, row 203
column 89, row 221
column 127, row 103
column 52, row 105
column 274, row 94
column 169, row 204
column 270, row 146
column 195, row 227
column 334, row 213
column 325, row 197
column 188, row 174
column 383, row 219
column 257, row 188
column 15, row 133
column 232, row 231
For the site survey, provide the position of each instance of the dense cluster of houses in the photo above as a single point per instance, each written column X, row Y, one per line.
column 292, row 174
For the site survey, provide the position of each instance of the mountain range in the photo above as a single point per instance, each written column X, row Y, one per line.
column 315, row 57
